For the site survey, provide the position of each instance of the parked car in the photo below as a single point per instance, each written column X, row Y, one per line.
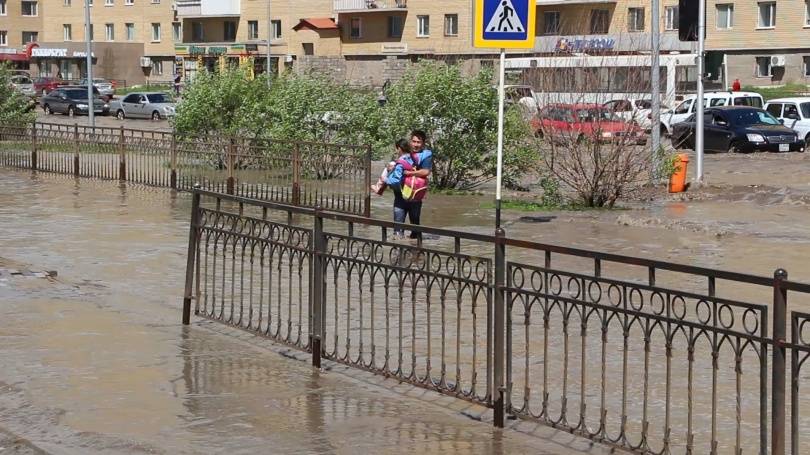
column 739, row 129
column 634, row 110
column 795, row 113
column 154, row 105
column 44, row 85
column 23, row 84
column 586, row 121
column 711, row 99
column 105, row 87
column 72, row 101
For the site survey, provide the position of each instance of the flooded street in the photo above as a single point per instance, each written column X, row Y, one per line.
column 96, row 361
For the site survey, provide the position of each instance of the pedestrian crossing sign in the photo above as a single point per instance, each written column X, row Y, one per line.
column 505, row 23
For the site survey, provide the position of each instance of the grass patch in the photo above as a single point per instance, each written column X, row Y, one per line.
column 532, row 206
column 784, row 91
column 455, row 192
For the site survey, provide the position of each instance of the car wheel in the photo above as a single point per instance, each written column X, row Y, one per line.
column 664, row 130
column 156, row 115
column 47, row 110
column 806, row 142
column 120, row 114
column 734, row 148
column 71, row 111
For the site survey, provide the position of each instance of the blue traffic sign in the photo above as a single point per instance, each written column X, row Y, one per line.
column 505, row 23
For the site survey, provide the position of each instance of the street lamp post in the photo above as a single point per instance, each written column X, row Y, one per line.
column 89, row 48
column 269, row 40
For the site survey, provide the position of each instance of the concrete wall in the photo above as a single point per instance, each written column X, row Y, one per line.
column 742, row 65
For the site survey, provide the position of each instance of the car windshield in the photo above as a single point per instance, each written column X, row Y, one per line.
column 805, row 110
column 595, row 115
column 158, row 98
column 644, row 104
column 752, row 117
column 20, row 80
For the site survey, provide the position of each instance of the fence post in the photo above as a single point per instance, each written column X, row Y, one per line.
column 122, row 155
column 318, row 288
column 76, row 149
column 778, row 379
column 34, row 146
column 173, row 162
column 231, row 162
column 296, row 189
column 498, row 329
column 367, row 184
column 193, row 238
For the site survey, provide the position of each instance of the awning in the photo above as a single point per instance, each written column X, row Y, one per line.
column 318, row 23
column 14, row 57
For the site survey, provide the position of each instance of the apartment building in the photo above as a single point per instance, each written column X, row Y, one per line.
column 132, row 40
column 20, row 25
column 760, row 42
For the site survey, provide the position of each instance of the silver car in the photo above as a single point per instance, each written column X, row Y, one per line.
column 104, row 87
column 154, row 105
column 23, row 84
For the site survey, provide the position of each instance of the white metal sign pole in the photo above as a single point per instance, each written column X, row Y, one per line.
column 89, row 48
column 499, row 178
column 701, row 70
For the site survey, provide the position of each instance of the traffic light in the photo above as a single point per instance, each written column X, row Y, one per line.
column 688, row 17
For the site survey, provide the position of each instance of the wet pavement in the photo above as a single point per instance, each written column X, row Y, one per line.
column 95, row 360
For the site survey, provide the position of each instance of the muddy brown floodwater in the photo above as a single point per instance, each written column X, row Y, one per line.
column 95, row 360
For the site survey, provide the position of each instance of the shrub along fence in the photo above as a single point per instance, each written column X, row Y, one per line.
column 644, row 355
column 305, row 174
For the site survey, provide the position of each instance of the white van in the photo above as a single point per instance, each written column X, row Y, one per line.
column 711, row 99
column 794, row 113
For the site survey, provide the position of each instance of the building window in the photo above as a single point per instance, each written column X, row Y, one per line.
column 764, row 67
column 130, row 31
column 356, row 28
column 129, row 2
column 725, row 16
column 806, row 66
column 156, row 31
column 395, row 26
column 29, row 8
column 177, row 32
column 423, row 26
column 276, row 29
column 108, row 3
column 3, row 38
column 671, row 18
column 551, row 23
column 229, row 33
column 253, row 29
column 309, row 48
column 767, row 14
column 30, row 37
column 635, row 19
column 3, row 8
column 196, row 31
column 67, row 32
column 451, row 25
column 157, row 67
column 67, row 3
column 109, row 32
column 600, row 21
column 807, row 13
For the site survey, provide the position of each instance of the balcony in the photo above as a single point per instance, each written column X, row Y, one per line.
column 369, row 6
column 207, row 8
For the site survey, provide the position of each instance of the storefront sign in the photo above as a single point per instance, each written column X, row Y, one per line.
column 216, row 50
column 582, row 45
column 394, row 48
column 8, row 50
column 44, row 52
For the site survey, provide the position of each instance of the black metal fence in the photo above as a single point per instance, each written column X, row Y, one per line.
column 647, row 356
column 306, row 174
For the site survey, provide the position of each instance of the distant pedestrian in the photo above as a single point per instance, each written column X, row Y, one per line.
column 409, row 180
column 735, row 87
column 59, row 75
column 177, row 78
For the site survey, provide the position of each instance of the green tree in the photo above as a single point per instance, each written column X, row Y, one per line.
column 459, row 114
column 15, row 108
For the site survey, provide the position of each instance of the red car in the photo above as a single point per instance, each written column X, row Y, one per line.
column 44, row 85
column 586, row 122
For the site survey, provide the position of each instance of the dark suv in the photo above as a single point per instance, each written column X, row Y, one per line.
column 738, row 129
column 72, row 101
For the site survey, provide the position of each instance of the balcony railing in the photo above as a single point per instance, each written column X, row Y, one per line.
column 351, row 6
column 210, row 8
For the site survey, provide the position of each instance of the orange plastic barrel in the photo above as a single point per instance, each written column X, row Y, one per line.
column 677, row 182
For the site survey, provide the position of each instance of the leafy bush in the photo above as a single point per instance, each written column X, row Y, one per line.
column 15, row 108
column 459, row 115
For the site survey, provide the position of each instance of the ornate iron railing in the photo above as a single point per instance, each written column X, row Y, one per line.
column 334, row 176
column 646, row 356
